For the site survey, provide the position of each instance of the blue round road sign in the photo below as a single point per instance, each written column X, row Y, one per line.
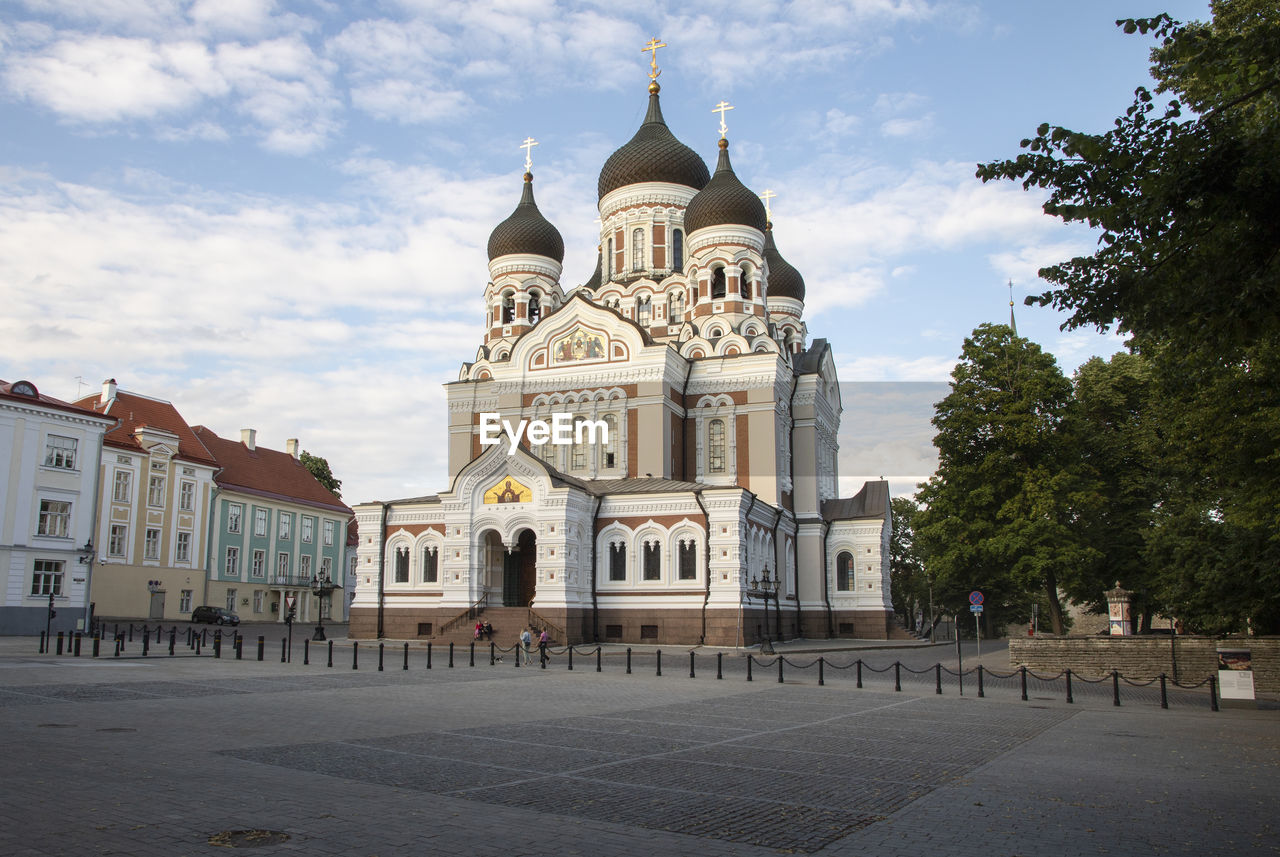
column 975, row 597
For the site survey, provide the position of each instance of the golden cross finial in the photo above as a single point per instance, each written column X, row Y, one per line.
column 721, row 108
column 652, row 47
column 528, row 145
column 766, row 196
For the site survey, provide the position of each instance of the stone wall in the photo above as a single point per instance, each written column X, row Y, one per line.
column 1142, row 658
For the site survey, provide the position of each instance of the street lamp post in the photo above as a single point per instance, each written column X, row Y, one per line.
column 767, row 590
column 323, row 588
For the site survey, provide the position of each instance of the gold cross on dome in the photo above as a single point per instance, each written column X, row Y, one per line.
column 721, row 108
column 766, row 196
column 652, row 47
column 528, row 145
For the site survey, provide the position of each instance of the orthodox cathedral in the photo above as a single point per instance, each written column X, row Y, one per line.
column 701, row 507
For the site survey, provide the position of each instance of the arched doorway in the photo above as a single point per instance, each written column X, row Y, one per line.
column 520, row 571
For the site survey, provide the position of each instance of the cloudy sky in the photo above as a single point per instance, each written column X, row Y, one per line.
column 274, row 212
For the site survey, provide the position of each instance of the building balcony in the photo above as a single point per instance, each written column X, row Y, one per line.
column 302, row 581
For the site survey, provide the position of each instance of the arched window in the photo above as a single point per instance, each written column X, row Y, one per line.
column 675, row 307
column 535, row 307
column 508, row 308
column 715, row 446
column 617, row 562
column 609, row 451
column 608, row 261
column 430, row 565
column 578, row 460
column 637, row 250
column 402, row 565
column 844, row 571
column 688, row 560
column 652, row 560
column 745, row 281
column 677, row 250
column 644, row 310
column 717, row 284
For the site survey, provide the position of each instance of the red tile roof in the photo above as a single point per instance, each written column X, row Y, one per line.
column 6, row 392
column 267, row 473
column 135, row 411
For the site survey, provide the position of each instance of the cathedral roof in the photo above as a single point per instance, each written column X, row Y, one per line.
column 871, row 502
column 653, row 155
column 784, row 280
column 526, row 231
column 724, row 200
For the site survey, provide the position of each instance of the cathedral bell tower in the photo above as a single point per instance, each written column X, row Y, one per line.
column 526, row 255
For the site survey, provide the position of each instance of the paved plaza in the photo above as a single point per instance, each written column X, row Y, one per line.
column 192, row 756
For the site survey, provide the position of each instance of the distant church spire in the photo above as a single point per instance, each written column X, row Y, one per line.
column 1013, row 322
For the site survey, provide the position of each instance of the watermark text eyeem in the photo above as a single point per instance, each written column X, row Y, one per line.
column 562, row 430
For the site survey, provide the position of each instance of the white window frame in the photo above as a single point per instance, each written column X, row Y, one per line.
column 231, row 600
column 235, row 515
column 60, row 452
column 284, row 531
column 259, row 600
column 151, row 544
column 47, row 578
column 184, row 601
column 308, row 529
column 118, row 540
column 282, row 564
column 261, row 521
column 182, row 548
column 122, row 490
column 259, row 567
column 328, row 533
column 187, row 496
column 155, row 491
column 54, row 519
column 231, row 565
column 304, row 566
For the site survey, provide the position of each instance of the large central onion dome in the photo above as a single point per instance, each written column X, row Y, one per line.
column 526, row 231
column 724, row 200
column 653, row 155
column 784, row 280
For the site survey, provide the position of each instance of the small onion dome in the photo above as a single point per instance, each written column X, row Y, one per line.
column 724, row 200
column 784, row 280
column 526, row 231
column 596, row 278
column 653, row 155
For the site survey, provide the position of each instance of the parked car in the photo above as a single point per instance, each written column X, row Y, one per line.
column 214, row 616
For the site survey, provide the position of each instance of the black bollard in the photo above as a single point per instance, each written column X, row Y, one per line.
column 571, row 659
column 750, row 659
column 780, row 660
column 239, row 648
column 628, row 660
column 146, row 636
column 59, row 642
column 429, row 656
column 691, row 655
column 719, row 665
column 406, row 656
column 159, row 628
column 1164, row 693
column 381, row 646
column 598, row 656
column 821, row 678
column 204, row 637
column 77, row 643
column 472, row 661
column 1115, row 686
column 451, row 656
column 330, row 664
column 42, row 643
column 493, row 654
column 1023, row 670
column 262, row 647
column 659, row 661
column 542, row 655
column 981, row 689
column 937, row 674
column 355, row 655
column 173, row 641
column 1070, row 700
column 97, row 644
column 146, row 644
column 217, row 645
column 306, row 653
column 118, row 644
column 859, row 672
column 897, row 676
column 130, row 632
column 199, row 644
column 1213, row 693
column 284, row 650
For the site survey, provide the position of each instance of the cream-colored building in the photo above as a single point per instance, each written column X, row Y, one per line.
column 689, row 351
column 49, row 465
column 157, row 485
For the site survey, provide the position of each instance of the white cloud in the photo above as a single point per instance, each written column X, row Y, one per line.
column 900, row 127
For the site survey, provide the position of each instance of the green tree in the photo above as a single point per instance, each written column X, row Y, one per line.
column 999, row 512
column 319, row 468
column 1184, row 191
column 908, row 583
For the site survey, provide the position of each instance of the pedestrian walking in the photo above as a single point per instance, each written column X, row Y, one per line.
column 526, row 643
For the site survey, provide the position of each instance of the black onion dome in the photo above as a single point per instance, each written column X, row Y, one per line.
column 724, row 200
column 784, row 280
column 653, row 155
column 526, row 231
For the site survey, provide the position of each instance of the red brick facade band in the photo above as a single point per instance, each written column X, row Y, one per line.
column 637, row 520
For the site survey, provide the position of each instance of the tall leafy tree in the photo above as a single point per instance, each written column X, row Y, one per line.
column 319, row 468
column 908, row 583
column 1184, row 191
column 999, row 512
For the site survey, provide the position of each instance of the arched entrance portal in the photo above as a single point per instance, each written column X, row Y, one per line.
column 520, row 571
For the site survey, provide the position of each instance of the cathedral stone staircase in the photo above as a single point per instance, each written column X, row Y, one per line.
column 507, row 623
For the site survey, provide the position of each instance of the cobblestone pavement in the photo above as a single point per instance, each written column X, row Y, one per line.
column 156, row 756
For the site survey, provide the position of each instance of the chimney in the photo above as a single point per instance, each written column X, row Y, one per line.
column 291, row 447
column 249, row 437
column 108, row 391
